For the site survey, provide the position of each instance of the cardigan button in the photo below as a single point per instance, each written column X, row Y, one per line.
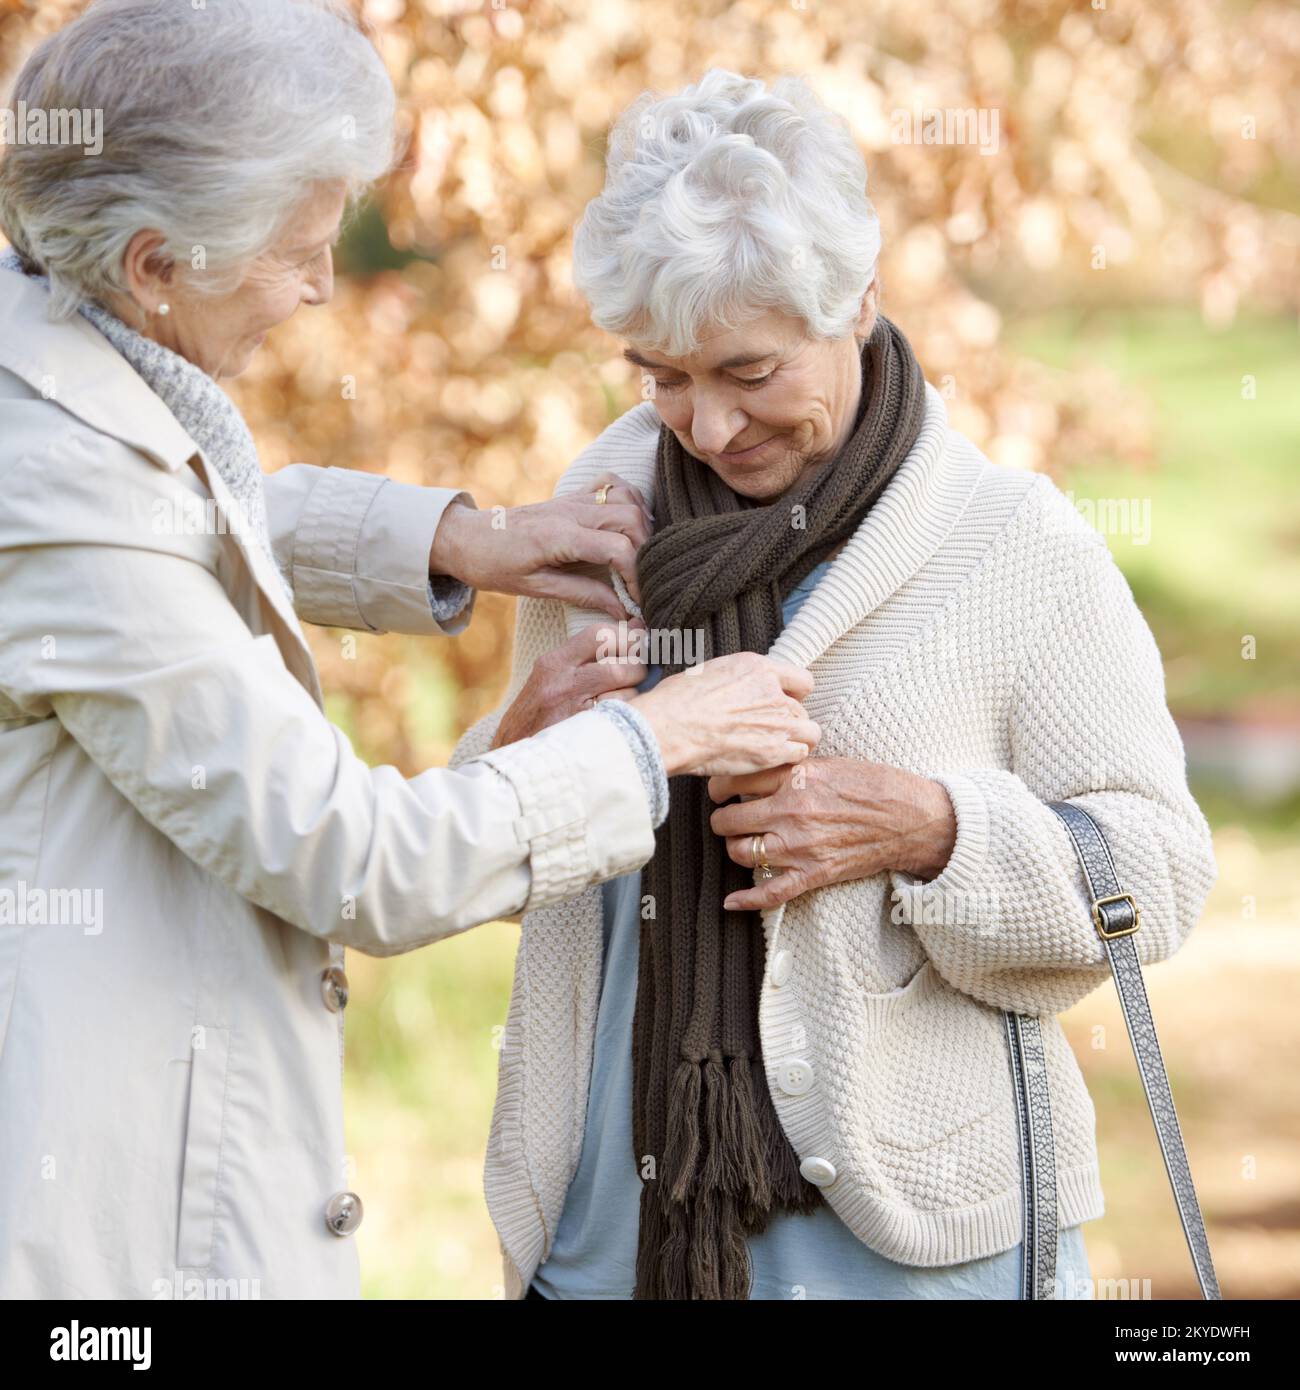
column 782, row 965
column 819, row 1171
column 794, row 1076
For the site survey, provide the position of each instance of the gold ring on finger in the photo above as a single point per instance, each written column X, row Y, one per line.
column 602, row 493
column 758, row 852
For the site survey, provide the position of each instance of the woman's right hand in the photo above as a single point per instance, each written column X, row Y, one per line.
column 592, row 666
column 732, row 715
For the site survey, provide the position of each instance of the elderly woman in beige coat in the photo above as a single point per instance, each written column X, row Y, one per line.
column 776, row 1064
column 186, row 843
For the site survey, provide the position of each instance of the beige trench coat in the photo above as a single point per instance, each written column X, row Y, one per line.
column 187, row 844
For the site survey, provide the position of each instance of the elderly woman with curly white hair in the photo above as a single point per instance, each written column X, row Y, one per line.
column 800, row 1087
column 186, row 843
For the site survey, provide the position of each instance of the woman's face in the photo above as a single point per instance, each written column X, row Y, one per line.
column 761, row 403
column 220, row 335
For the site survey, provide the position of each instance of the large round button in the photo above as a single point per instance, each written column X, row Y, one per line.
column 343, row 1213
column 334, row 989
column 782, row 965
column 794, row 1076
column 820, row 1171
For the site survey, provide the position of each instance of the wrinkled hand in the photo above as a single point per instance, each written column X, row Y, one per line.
column 831, row 820
column 542, row 549
column 734, row 714
column 571, row 678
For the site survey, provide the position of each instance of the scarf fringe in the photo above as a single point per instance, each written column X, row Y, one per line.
column 754, row 1186
column 691, row 1251
column 791, row 1191
column 682, row 1146
column 725, row 1166
column 721, row 1172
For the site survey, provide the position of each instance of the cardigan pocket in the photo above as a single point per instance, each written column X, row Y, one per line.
column 201, row 1164
column 933, row 1062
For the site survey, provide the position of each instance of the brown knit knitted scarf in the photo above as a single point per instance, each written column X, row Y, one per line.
column 713, row 1158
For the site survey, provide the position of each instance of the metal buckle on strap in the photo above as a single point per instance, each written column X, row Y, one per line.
column 1099, row 921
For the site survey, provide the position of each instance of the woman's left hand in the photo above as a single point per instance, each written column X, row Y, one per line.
column 829, row 820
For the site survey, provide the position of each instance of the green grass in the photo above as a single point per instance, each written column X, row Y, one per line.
column 1223, row 559
column 422, row 1050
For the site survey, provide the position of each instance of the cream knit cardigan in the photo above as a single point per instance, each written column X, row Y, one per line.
column 975, row 630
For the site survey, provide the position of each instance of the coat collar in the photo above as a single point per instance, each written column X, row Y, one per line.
column 71, row 363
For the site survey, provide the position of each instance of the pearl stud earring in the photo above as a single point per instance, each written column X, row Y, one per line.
column 164, row 308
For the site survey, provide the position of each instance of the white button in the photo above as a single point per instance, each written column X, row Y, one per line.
column 794, row 1076
column 820, row 1171
column 782, row 965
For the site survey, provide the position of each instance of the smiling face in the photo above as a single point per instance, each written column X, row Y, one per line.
column 221, row 334
column 762, row 403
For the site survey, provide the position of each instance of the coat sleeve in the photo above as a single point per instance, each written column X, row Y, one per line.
column 1008, row 921
column 127, row 637
column 356, row 549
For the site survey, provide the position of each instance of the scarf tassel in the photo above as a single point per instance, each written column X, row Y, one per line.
column 720, row 1172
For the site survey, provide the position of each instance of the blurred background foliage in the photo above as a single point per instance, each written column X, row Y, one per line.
column 1110, row 295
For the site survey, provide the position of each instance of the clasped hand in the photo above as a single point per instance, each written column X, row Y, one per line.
column 831, row 820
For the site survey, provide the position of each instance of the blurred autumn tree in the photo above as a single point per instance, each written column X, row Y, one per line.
column 1145, row 152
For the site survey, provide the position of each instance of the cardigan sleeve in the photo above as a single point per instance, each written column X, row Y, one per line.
column 1008, row 921
column 539, row 627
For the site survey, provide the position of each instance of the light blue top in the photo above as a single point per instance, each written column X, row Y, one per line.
column 797, row 1257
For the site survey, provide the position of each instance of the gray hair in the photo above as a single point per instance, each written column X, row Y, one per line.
column 218, row 116
column 723, row 202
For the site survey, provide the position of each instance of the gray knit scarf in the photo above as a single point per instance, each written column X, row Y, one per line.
column 713, row 1158
column 200, row 406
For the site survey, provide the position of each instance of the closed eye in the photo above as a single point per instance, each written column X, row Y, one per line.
column 749, row 383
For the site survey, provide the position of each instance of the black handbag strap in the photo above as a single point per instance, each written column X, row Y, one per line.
column 1116, row 917
column 1037, row 1154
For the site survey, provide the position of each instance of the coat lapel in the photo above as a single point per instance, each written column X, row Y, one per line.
column 293, row 641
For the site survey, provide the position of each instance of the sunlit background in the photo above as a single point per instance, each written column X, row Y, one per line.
column 1107, row 292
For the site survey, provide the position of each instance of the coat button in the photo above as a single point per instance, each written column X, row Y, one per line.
column 343, row 1213
column 794, row 1076
column 334, row 989
column 782, row 965
column 819, row 1171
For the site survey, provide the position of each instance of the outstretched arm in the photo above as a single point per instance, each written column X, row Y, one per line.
column 362, row 551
